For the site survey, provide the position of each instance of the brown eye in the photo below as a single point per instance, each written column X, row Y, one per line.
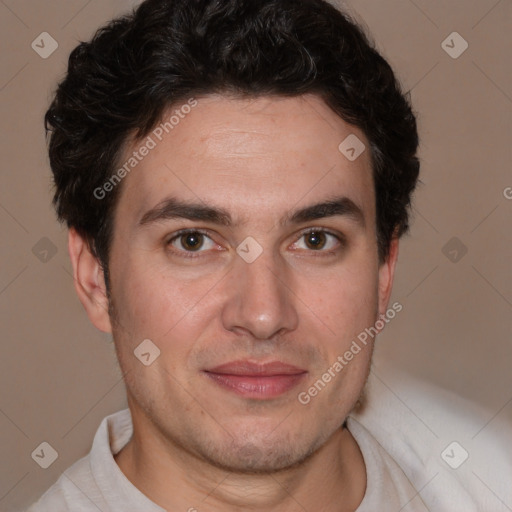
column 315, row 239
column 319, row 240
column 190, row 241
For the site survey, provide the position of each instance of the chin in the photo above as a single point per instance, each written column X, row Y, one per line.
column 252, row 459
column 261, row 453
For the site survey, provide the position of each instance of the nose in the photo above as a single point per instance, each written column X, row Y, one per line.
column 260, row 301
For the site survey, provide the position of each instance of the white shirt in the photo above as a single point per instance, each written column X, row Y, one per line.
column 404, row 466
column 96, row 482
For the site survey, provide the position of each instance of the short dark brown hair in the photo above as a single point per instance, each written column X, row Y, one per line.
column 120, row 83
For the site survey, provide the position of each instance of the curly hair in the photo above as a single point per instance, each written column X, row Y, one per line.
column 119, row 84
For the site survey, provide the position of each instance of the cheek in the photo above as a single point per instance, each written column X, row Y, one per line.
column 156, row 303
column 347, row 301
column 146, row 297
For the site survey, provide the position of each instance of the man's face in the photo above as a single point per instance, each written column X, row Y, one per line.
column 298, row 305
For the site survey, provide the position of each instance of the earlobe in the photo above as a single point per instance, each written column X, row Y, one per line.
column 386, row 275
column 89, row 281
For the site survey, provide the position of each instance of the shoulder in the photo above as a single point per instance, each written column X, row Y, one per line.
column 445, row 444
column 82, row 487
column 386, row 482
column 74, row 490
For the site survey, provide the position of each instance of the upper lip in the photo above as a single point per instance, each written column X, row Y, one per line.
column 251, row 368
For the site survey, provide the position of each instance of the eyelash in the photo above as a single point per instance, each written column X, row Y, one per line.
column 197, row 254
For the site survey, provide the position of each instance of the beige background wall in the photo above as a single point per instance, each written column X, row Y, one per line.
column 59, row 376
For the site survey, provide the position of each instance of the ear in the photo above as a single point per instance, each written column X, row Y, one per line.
column 386, row 276
column 89, row 281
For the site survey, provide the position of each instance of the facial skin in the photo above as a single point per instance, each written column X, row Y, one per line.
column 260, row 160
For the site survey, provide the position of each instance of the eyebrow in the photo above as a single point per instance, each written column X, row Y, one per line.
column 173, row 208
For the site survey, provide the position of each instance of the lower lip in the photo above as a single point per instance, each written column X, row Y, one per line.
column 259, row 386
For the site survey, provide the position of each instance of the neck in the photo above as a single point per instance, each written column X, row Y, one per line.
column 333, row 479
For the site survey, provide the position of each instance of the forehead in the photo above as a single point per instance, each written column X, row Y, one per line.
column 253, row 157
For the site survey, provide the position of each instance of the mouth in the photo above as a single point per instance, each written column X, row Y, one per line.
column 259, row 381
